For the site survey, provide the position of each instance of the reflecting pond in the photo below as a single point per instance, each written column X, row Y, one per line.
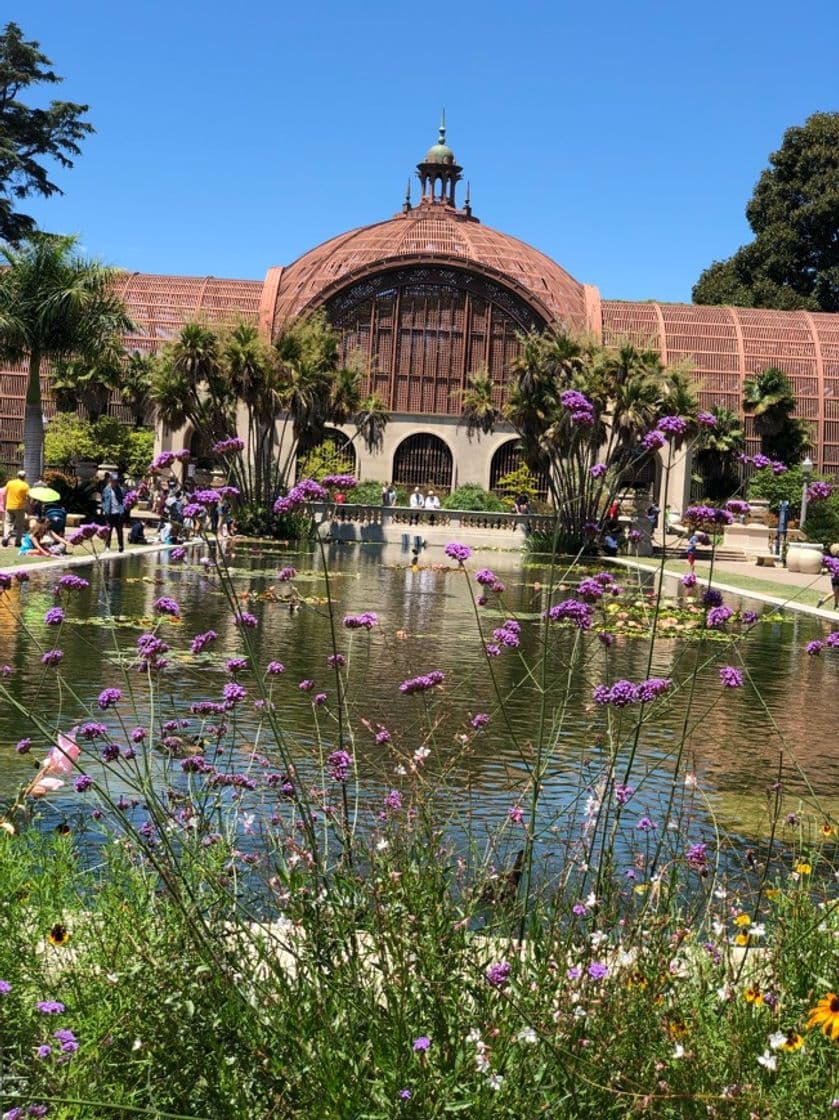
column 782, row 724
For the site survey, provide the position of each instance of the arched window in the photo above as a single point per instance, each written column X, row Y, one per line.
column 335, row 454
column 423, row 331
column 423, row 460
column 508, row 458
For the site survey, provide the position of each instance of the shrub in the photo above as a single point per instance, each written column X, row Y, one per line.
column 473, row 497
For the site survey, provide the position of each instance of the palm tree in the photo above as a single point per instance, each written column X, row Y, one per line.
column 717, row 449
column 371, row 419
column 770, row 400
column 135, row 386
column 89, row 383
column 54, row 305
column 479, row 412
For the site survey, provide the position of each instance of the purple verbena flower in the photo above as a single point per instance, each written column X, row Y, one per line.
column 366, row 620
column 54, row 616
column 165, row 605
column 422, row 1043
column 598, row 470
column 52, row 657
column 340, row 763
column 202, row 640
column 109, row 697
column 459, row 552
column 83, row 782
column 497, row 974
column 50, row 1007
column 286, row 574
column 731, row 677
column 422, row 683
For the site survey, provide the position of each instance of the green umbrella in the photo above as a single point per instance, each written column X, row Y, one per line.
column 44, row 494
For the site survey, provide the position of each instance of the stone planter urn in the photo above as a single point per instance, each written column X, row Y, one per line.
column 804, row 556
column 85, row 469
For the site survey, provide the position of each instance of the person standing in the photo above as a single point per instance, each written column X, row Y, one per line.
column 693, row 544
column 432, row 502
column 113, row 509
column 417, row 502
column 389, row 495
column 832, row 565
column 17, row 495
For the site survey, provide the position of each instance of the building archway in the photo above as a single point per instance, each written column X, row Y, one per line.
column 343, row 462
column 423, row 460
column 508, row 458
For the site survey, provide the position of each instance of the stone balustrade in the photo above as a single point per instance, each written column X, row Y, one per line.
column 352, row 521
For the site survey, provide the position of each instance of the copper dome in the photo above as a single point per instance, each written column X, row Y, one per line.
column 433, row 233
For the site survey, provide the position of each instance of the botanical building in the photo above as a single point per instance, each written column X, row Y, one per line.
column 432, row 295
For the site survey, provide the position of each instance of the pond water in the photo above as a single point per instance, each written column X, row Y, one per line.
column 739, row 741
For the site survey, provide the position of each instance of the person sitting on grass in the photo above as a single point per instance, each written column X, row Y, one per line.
column 43, row 539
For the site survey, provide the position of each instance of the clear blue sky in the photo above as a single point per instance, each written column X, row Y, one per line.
column 621, row 138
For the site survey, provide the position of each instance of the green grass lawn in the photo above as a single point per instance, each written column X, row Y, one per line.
column 809, row 596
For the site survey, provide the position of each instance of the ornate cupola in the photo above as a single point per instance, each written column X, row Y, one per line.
column 439, row 173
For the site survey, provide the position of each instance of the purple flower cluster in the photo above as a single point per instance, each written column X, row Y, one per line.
column 711, row 597
column 731, row 677
column 307, row 490
column 748, row 617
column 590, row 589
column 340, row 481
column 201, row 640
column 818, row 491
column 340, row 763
column 738, row 507
column 229, row 446
column 832, row 640
column 274, row 668
column 237, row 664
column 672, row 425
column 165, row 605
column 177, row 555
column 165, row 458
column 52, row 657
column 70, row 583
column 654, row 440
column 623, row 793
column 498, row 974
column 5, row 581
column 286, row 574
column 364, row 621
column 717, row 617
column 706, row 419
column 598, row 470
column 814, row 648
column 697, row 857
column 245, row 618
column 233, row 693
column 481, row 719
column 624, row 692
column 92, row 730
column 150, row 649
column 84, row 533
column 108, row 697
column 508, row 634
column 706, row 515
column 571, row 610
column 54, row 616
column 580, row 407
column 761, row 462
column 422, row 683
column 23, row 746
column 459, row 552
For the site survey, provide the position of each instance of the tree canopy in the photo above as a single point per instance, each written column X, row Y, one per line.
column 28, row 136
column 793, row 261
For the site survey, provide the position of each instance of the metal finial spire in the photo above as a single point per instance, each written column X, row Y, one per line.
column 406, row 205
column 467, row 205
column 441, row 139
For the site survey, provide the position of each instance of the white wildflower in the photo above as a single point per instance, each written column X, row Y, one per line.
column 495, row 1082
column 767, row 1060
column 777, row 1040
column 527, row 1034
column 679, row 1051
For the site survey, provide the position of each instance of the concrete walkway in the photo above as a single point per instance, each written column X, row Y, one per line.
column 82, row 555
column 776, row 586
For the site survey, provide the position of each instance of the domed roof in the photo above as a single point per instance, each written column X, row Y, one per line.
column 431, row 233
column 439, row 153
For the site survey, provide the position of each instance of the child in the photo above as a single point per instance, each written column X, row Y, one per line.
column 693, row 544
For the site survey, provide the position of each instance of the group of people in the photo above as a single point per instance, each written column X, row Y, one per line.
column 34, row 525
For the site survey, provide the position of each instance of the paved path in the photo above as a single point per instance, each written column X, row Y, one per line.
column 793, row 590
column 11, row 560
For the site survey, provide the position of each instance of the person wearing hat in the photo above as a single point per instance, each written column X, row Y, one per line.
column 17, row 495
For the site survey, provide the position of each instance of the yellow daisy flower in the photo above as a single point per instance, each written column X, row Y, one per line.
column 753, row 994
column 827, row 829
column 803, row 868
column 794, row 1041
column 742, row 939
column 742, row 920
column 825, row 1015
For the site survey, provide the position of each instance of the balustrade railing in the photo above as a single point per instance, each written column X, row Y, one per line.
column 348, row 513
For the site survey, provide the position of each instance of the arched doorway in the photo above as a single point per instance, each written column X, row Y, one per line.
column 423, row 460
column 509, row 458
column 335, row 454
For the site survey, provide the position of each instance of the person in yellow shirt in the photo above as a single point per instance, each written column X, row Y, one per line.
column 17, row 497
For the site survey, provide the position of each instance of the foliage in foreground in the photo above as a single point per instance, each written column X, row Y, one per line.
column 241, row 920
